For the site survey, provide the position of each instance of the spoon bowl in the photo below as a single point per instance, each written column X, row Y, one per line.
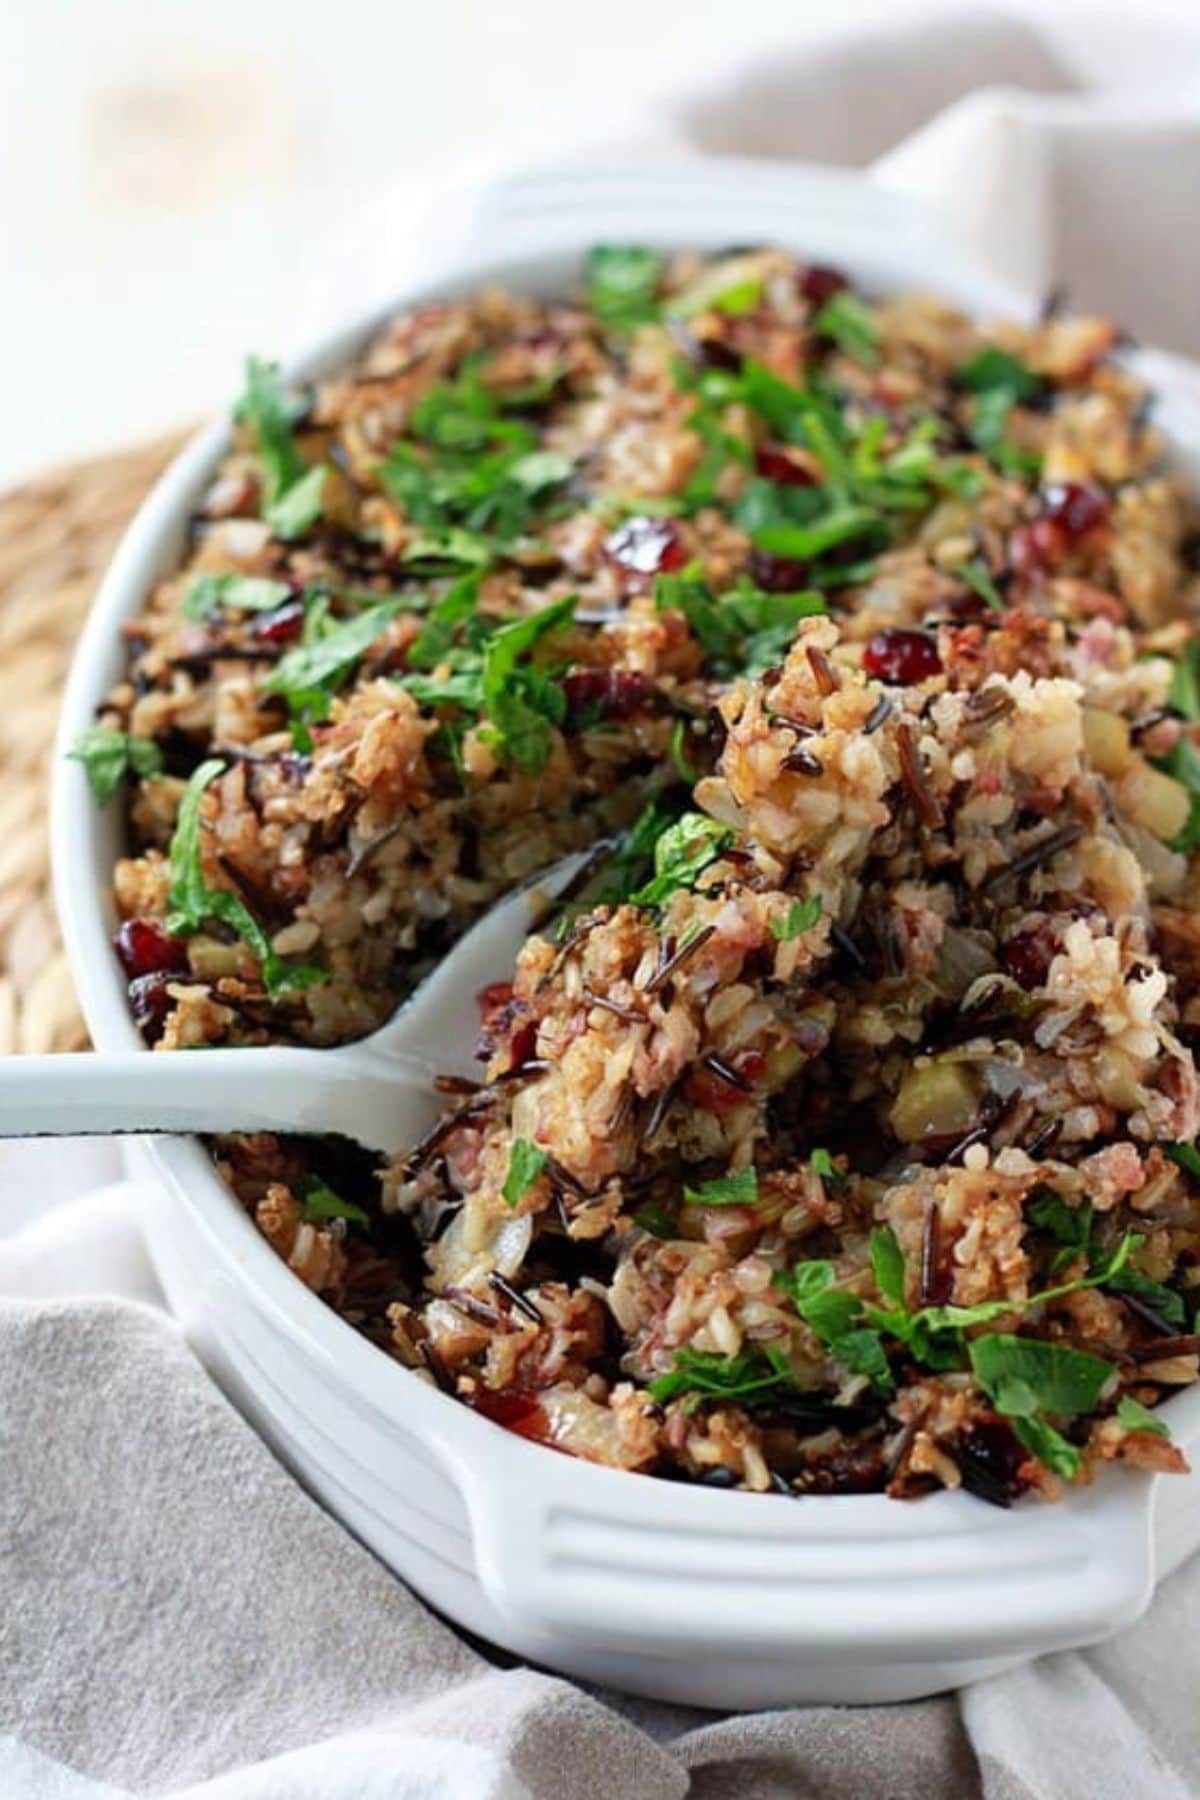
column 379, row 1090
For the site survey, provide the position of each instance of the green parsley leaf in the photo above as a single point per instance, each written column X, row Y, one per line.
column 436, row 552
column 208, row 594
column 523, row 703
column 684, row 768
column 801, row 543
column 1183, row 763
column 1071, row 1225
column 1185, row 1156
column 1049, row 1445
column 1156, row 1295
column 270, row 414
column 993, row 369
column 726, row 1190
column 1184, row 694
column 887, row 1264
column 822, row 1164
column 1022, row 1375
column 298, row 510
column 681, row 855
column 656, row 1222
column 848, row 322
column 979, row 580
column 525, row 1164
column 1136, row 1417
column 800, row 917
column 322, row 1204
column 833, row 1315
column 622, row 284
column 307, row 676
column 108, row 757
column 193, row 903
column 752, row 1377
column 437, row 634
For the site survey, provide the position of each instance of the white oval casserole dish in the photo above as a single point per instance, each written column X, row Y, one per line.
column 713, row 1598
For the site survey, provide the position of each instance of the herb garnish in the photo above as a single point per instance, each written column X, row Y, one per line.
column 108, row 757
column 682, row 852
column 1185, row 1157
column 1136, row 1417
column 978, row 578
column 752, row 1377
column 193, row 903
column 847, row 321
column 999, row 382
column 322, row 1204
column 208, row 594
column 1184, row 694
column 726, row 1190
column 292, row 492
column 525, row 1164
column 742, row 631
column 800, row 917
column 1027, row 1378
column 307, row 677
column 622, row 284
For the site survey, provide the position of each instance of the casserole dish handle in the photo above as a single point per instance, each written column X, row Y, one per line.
column 656, row 1565
column 825, row 213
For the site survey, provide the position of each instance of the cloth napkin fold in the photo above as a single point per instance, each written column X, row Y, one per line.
column 176, row 1615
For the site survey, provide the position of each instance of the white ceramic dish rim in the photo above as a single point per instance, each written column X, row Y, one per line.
column 564, row 1546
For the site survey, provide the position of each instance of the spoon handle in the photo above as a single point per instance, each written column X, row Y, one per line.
column 280, row 1089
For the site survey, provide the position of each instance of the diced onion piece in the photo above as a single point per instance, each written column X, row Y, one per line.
column 1106, row 737
column 1155, row 801
column 936, row 1099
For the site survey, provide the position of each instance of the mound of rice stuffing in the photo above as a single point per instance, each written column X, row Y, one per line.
column 840, row 1135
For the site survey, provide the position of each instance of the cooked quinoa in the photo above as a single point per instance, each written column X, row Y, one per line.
column 838, row 1133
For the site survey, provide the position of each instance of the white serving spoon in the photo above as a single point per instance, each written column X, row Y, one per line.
column 378, row 1091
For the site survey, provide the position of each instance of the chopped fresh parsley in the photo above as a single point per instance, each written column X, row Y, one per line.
column 994, row 370
column 682, row 852
column 743, row 631
column 751, row 1378
column 307, row 676
column 525, row 1164
column 848, row 322
column 726, row 1190
column 109, row 757
column 522, row 702
column 822, row 1164
column 1184, row 695
column 834, row 1316
column 887, row 1264
column 1160, row 1298
column 193, row 903
column 292, row 492
column 1071, row 1225
column 437, row 635
column 656, row 1222
column 208, row 594
column 800, row 917
column 321, row 1204
column 1182, row 763
column 978, row 578
column 1136, row 1417
column 622, row 284
column 684, row 768
column 1026, row 1378
column 1185, row 1156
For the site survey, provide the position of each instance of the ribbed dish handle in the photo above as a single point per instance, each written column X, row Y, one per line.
column 648, row 1564
column 825, row 214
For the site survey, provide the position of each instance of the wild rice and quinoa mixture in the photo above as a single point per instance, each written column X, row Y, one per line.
column 839, row 1136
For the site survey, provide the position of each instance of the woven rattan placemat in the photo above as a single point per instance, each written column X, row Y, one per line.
column 56, row 535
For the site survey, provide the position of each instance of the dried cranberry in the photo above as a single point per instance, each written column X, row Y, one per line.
column 777, row 574
column 144, row 946
column 606, row 693
column 990, row 1457
column 775, row 463
column 646, row 546
column 818, row 283
column 282, row 625
column 1028, row 955
column 149, row 1000
column 901, row 656
column 1034, row 547
column 1077, row 506
column 522, row 1044
column 513, row 1409
column 710, row 1090
column 493, row 998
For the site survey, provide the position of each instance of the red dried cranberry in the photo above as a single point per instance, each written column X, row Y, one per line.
column 707, row 1089
column 513, row 1409
column 818, row 283
column 991, row 1457
column 522, row 1044
column 493, row 998
column 903, row 657
column 606, row 693
column 1028, row 955
column 775, row 463
column 144, row 947
column 646, row 546
column 149, row 1000
column 1077, row 506
column 282, row 625
column 777, row 574
column 1034, row 547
